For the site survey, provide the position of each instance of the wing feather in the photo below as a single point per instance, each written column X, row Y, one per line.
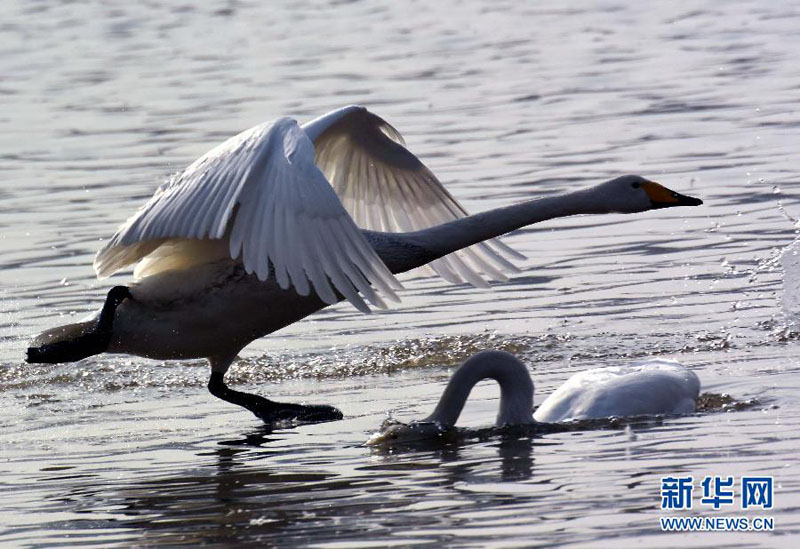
column 386, row 188
column 262, row 191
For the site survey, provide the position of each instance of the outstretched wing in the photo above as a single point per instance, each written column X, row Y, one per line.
column 385, row 187
column 261, row 190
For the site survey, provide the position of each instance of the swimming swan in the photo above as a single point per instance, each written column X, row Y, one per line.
column 652, row 387
column 283, row 220
column 656, row 386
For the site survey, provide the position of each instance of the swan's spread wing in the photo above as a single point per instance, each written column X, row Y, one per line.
column 386, row 188
column 261, row 190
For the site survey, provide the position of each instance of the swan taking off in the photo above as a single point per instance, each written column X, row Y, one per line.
column 652, row 387
column 283, row 220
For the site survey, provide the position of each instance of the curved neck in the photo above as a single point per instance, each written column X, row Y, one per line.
column 516, row 389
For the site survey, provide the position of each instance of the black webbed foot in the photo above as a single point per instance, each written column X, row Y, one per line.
column 270, row 411
column 300, row 413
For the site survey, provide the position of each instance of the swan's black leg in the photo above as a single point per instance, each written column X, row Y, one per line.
column 270, row 411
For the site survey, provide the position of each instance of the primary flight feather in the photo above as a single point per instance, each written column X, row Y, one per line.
column 289, row 200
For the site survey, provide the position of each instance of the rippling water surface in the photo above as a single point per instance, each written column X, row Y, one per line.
column 504, row 101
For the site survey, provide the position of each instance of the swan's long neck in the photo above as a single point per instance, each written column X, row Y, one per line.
column 458, row 234
column 422, row 247
column 516, row 388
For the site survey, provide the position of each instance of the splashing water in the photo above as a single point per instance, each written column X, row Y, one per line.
column 790, row 300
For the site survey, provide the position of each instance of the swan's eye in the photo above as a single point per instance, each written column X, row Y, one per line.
column 636, row 185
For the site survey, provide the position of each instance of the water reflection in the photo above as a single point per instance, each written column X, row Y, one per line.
column 258, row 437
column 241, row 489
column 516, row 457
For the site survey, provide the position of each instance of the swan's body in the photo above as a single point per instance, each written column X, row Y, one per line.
column 653, row 387
column 282, row 220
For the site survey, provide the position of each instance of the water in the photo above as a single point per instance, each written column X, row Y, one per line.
column 504, row 102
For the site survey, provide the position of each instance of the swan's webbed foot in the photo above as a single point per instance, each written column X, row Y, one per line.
column 270, row 411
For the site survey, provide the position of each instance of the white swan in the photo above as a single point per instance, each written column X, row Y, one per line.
column 652, row 387
column 282, row 220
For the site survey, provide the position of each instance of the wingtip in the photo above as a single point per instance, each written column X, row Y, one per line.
column 100, row 268
column 518, row 256
column 394, row 298
column 395, row 284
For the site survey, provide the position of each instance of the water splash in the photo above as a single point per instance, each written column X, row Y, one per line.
column 790, row 300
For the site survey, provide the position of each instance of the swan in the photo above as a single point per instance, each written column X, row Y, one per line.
column 656, row 386
column 653, row 387
column 283, row 220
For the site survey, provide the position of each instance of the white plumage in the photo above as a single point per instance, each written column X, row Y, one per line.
column 384, row 187
column 652, row 387
column 289, row 200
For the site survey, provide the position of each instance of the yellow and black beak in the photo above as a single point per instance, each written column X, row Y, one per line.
column 662, row 197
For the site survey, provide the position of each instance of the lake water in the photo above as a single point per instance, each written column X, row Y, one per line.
column 504, row 101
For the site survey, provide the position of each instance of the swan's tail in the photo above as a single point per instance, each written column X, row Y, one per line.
column 68, row 343
column 73, row 342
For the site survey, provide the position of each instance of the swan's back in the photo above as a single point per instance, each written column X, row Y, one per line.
column 649, row 388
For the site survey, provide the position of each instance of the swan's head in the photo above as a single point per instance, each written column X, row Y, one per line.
column 634, row 193
column 398, row 434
